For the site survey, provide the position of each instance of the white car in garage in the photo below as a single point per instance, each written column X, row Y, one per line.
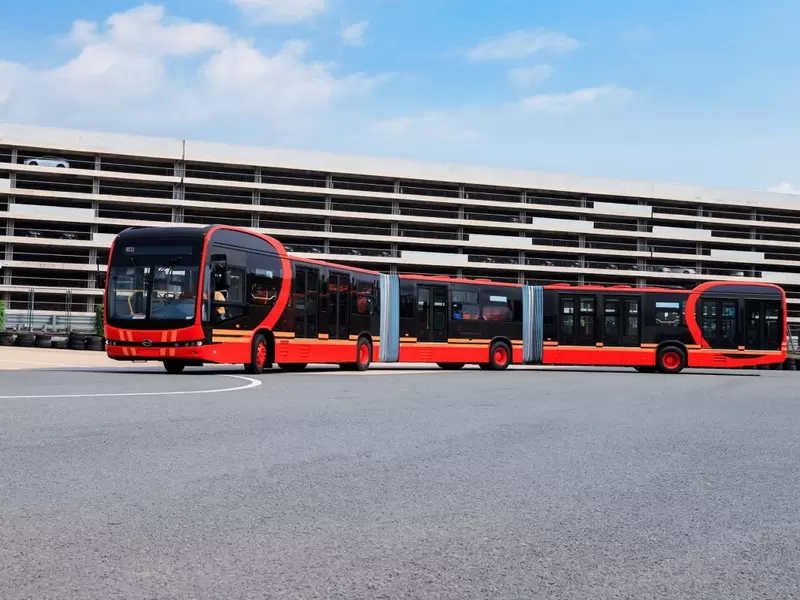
column 47, row 161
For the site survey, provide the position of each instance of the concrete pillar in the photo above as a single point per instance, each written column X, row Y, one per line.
column 255, row 216
column 177, row 211
column 329, row 181
column 98, row 163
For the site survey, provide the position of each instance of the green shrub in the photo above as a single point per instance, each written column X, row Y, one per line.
column 98, row 320
column 2, row 315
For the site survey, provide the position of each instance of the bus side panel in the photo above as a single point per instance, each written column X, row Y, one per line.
column 733, row 359
column 605, row 357
column 312, row 351
column 452, row 352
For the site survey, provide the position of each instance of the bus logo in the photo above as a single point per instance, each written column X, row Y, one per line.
column 147, row 343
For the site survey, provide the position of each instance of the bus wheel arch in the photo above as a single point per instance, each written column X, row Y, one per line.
column 501, row 353
column 364, row 352
column 269, row 337
column 671, row 357
column 260, row 356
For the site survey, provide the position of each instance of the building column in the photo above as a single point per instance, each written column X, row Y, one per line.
column 177, row 211
column 98, row 163
column 255, row 216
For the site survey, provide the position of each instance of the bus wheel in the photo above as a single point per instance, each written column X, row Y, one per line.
column 671, row 359
column 292, row 367
column 258, row 355
column 451, row 366
column 363, row 354
column 174, row 367
column 499, row 356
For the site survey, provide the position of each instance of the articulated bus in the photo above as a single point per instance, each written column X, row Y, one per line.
column 224, row 295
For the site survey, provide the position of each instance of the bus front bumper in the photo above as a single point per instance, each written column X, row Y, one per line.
column 206, row 354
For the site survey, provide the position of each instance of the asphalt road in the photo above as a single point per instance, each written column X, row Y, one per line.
column 542, row 484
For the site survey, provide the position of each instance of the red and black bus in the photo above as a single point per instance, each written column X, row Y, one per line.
column 224, row 295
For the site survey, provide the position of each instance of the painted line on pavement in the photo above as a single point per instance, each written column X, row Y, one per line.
column 251, row 383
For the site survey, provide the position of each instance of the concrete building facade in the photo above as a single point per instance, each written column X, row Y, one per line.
column 65, row 194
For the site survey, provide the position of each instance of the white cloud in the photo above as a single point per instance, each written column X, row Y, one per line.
column 281, row 11
column 784, row 188
column 353, row 35
column 144, row 67
column 530, row 76
column 569, row 101
column 521, row 44
column 437, row 126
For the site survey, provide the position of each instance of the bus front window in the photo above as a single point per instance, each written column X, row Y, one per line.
column 174, row 293
column 152, row 292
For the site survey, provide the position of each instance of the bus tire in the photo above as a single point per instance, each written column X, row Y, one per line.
column 259, row 354
column 173, row 367
column 292, row 367
column 451, row 366
column 363, row 354
column 671, row 359
column 500, row 356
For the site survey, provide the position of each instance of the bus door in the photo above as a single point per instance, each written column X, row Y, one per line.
column 720, row 322
column 763, row 322
column 621, row 322
column 432, row 313
column 306, row 302
column 339, row 306
column 577, row 320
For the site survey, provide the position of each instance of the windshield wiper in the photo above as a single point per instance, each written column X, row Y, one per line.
column 138, row 268
column 172, row 264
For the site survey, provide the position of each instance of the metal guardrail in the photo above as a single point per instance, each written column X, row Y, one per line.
column 51, row 321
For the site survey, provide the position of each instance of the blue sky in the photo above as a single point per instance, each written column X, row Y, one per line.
column 696, row 91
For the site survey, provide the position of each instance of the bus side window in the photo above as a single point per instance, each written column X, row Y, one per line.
column 464, row 306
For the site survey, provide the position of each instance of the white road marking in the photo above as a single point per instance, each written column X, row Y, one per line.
column 251, row 383
column 34, row 362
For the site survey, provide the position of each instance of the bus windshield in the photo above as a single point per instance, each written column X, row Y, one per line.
column 160, row 290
